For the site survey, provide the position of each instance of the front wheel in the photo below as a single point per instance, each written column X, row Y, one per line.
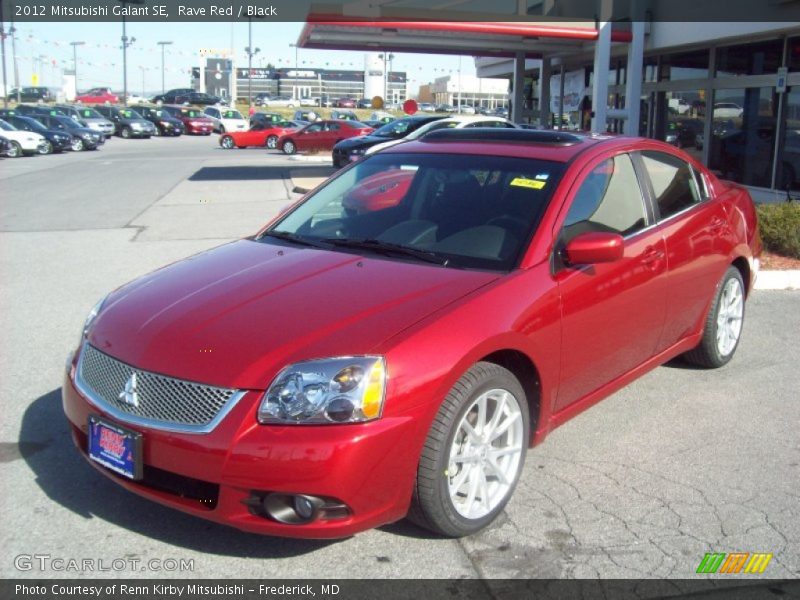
column 77, row 144
column 272, row 142
column 289, row 147
column 723, row 326
column 46, row 148
column 126, row 132
column 473, row 456
column 14, row 150
column 227, row 142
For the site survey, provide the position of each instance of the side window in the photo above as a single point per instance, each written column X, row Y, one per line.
column 674, row 183
column 314, row 129
column 608, row 200
column 333, row 127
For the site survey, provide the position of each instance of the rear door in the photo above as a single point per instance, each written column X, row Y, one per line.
column 697, row 236
column 612, row 313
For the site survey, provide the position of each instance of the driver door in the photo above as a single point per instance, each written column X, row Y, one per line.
column 612, row 313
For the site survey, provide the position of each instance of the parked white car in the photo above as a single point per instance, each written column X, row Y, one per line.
column 225, row 119
column 22, row 142
column 270, row 102
column 134, row 100
column 727, row 110
column 455, row 122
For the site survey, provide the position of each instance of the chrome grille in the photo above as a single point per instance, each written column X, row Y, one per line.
column 162, row 400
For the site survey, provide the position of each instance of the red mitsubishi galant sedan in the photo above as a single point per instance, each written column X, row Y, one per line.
column 343, row 369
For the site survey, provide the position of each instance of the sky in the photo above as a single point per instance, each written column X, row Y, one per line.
column 45, row 48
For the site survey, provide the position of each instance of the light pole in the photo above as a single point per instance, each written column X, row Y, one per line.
column 13, row 33
column 3, row 49
column 295, row 93
column 163, row 44
column 125, row 43
column 75, row 61
column 251, row 52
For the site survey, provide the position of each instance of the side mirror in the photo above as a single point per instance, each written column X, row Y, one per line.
column 594, row 247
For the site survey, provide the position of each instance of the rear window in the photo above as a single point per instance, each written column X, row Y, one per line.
column 466, row 211
column 673, row 181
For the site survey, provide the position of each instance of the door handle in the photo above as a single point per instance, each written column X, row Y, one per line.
column 652, row 257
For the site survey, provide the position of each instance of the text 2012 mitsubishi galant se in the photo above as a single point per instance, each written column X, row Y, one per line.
column 393, row 343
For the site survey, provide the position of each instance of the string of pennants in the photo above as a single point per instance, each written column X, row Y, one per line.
column 66, row 61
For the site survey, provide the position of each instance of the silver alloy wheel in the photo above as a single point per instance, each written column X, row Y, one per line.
column 485, row 454
column 77, row 144
column 126, row 133
column 729, row 317
column 288, row 147
column 14, row 150
column 227, row 142
column 272, row 142
column 46, row 148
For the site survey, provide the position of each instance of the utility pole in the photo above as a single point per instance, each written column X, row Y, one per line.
column 295, row 92
column 75, row 61
column 125, row 44
column 163, row 45
column 13, row 32
column 251, row 52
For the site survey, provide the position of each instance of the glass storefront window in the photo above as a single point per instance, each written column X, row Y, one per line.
column 686, row 65
column 793, row 60
column 750, row 59
column 685, row 120
column 789, row 157
column 743, row 135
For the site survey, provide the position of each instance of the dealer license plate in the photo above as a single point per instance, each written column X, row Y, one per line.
column 115, row 447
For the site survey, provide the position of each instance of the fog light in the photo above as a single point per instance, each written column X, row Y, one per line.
column 303, row 507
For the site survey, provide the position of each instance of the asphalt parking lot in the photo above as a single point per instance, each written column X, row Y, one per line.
column 680, row 463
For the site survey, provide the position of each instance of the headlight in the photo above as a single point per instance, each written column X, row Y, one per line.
column 166, row 124
column 88, row 137
column 335, row 390
column 671, row 138
column 90, row 318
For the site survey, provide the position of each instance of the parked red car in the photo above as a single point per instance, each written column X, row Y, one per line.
column 345, row 103
column 259, row 135
column 379, row 192
column 194, row 120
column 321, row 135
column 102, row 95
column 336, row 372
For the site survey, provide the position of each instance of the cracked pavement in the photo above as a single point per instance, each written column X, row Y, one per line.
column 680, row 463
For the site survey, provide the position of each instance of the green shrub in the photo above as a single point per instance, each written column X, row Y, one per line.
column 779, row 225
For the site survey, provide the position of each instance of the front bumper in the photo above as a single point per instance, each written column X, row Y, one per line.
column 199, row 129
column 369, row 467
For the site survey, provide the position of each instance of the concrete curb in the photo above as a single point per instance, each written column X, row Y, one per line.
column 778, row 280
column 311, row 159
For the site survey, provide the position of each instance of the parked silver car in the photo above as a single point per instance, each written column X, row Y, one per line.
column 88, row 117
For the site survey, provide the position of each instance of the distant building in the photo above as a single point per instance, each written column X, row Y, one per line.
column 469, row 90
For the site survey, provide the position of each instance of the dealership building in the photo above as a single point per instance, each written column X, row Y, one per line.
column 726, row 92
column 219, row 76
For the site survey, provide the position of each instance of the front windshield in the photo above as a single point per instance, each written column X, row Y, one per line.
column 34, row 124
column 455, row 210
column 127, row 113
column 395, row 129
column 188, row 112
column 66, row 122
column 89, row 113
column 231, row 114
column 6, row 126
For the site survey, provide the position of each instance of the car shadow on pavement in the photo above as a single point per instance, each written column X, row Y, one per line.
column 239, row 173
column 62, row 473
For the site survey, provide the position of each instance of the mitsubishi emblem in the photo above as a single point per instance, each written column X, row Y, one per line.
column 129, row 395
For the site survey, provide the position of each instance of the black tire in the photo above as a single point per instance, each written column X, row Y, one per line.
column 46, row 149
column 272, row 142
column 227, row 142
column 125, row 133
column 289, row 147
column 708, row 354
column 77, row 145
column 431, row 506
column 14, row 150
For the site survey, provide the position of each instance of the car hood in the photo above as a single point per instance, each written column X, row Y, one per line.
column 235, row 315
column 21, row 135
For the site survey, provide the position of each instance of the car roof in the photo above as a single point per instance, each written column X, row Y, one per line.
column 520, row 143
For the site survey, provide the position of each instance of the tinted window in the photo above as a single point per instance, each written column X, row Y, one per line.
column 608, row 200
column 673, row 182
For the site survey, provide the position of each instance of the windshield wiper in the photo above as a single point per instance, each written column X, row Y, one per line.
column 293, row 238
column 387, row 248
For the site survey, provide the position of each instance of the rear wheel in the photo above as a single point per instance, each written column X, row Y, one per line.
column 272, row 142
column 14, row 150
column 723, row 326
column 227, row 142
column 473, row 456
column 289, row 147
